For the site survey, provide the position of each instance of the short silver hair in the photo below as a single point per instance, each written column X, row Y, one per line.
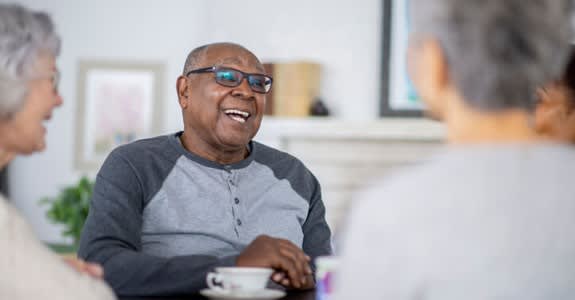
column 196, row 56
column 498, row 51
column 24, row 34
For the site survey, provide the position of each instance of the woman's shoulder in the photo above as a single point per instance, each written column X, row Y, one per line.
column 32, row 262
column 8, row 214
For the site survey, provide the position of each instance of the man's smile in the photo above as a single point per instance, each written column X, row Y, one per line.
column 237, row 115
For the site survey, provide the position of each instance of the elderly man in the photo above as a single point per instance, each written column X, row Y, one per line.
column 167, row 210
column 493, row 217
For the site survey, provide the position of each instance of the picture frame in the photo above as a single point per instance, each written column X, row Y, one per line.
column 118, row 102
column 398, row 96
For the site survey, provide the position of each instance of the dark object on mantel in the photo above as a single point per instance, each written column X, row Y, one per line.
column 318, row 108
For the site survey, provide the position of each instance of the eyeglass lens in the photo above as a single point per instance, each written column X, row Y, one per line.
column 232, row 78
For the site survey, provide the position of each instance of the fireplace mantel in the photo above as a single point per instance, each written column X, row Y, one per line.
column 346, row 155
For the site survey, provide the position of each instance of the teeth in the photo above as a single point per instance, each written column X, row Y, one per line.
column 239, row 119
column 237, row 112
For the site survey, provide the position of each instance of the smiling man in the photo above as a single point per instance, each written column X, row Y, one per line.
column 167, row 210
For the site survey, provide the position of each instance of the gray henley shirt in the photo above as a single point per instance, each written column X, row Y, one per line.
column 162, row 217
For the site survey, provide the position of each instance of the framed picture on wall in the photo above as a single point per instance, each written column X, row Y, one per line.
column 118, row 102
column 398, row 96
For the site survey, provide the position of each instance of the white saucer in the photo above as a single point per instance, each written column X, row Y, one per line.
column 265, row 294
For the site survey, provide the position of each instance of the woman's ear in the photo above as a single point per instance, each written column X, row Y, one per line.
column 430, row 74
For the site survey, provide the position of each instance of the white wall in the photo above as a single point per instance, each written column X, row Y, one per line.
column 343, row 35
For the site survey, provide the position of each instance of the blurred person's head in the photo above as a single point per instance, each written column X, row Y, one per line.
column 555, row 112
column 28, row 78
column 478, row 63
column 222, row 96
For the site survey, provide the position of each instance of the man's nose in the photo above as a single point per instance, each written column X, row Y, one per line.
column 243, row 90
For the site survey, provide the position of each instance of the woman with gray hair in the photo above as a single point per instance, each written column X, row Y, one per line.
column 28, row 94
column 493, row 216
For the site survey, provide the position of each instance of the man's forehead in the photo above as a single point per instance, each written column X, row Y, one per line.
column 231, row 56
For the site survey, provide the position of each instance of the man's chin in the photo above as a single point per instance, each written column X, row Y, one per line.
column 234, row 138
column 235, row 143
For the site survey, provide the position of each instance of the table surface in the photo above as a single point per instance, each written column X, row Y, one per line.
column 292, row 295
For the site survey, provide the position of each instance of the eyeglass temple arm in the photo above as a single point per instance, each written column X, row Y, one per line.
column 202, row 70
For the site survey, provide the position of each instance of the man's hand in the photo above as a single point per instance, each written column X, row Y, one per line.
column 280, row 278
column 289, row 261
column 81, row 266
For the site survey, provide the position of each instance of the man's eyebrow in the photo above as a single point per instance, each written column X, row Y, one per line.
column 238, row 61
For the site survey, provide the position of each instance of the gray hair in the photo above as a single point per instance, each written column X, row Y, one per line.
column 498, row 51
column 196, row 56
column 24, row 34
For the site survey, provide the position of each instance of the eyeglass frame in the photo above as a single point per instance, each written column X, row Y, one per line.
column 245, row 75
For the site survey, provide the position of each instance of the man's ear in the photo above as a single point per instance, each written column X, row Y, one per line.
column 182, row 90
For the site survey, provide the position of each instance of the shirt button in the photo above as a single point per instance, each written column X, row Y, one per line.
column 232, row 182
column 237, row 201
column 239, row 222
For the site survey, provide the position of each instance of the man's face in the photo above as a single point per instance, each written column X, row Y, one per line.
column 225, row 118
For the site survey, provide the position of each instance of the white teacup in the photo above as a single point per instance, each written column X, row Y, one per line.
column 238, row 279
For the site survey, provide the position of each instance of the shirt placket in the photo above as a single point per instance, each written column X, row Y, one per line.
column 235, row 200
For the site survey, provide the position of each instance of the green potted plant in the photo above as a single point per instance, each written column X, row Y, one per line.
column 70, row 208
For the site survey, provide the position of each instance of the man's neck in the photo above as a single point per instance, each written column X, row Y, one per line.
column 215, row 154
column 470, row 126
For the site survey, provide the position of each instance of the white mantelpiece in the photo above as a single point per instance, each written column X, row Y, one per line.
column 346, row 155
column 274, row 129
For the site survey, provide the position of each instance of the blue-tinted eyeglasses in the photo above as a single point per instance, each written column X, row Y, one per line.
column 229, row 77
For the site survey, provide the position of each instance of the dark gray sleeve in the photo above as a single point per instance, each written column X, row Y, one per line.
column 317, row 235
column 111, row 237
column 316, row 232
